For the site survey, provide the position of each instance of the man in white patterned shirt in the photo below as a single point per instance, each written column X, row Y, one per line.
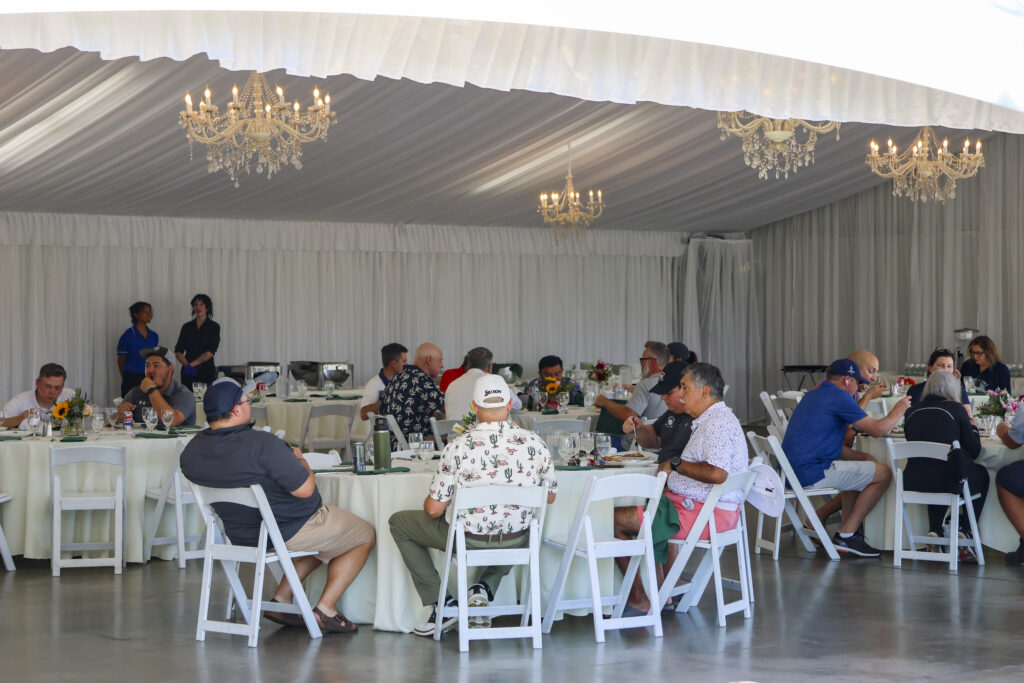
column 494, row 451
column 715, row 450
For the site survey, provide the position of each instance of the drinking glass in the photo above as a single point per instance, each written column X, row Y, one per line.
column 111, row 415
column 551, row 440
column 567, row 447
column 329, row 388
column 587, row 442
column 416, row 443
column 603, row 443
column 149, row 417
column 33, row 420
column 563, row 401
column 588, row 398
column 96, row 422
column 167, row 417
column 301, row 388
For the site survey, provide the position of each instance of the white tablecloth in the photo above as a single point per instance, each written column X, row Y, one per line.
column 25, row 473
column 291, row 416
column 383, row 593
column 996, row 530
column 525, row 418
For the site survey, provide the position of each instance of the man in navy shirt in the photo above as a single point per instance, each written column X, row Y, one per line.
column 231, row 454
column 815, row 448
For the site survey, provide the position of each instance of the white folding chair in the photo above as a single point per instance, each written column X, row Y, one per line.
column 786, row 406
column 310, row 442
column 583, row 543
column 219, row 549
column 396, row 431
column 5, row 550
column 322, row 461
column 468, row 498
column 907, row 450
column 770, row 449
column 177, row 492
column 258, row 413
column 776, row 417
column 441, row 429
column 62, row 501
column 541, row 426
column 711, row 562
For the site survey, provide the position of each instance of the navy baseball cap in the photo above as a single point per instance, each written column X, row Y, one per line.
column 845, row 366
column 679, row 350
column 223, row 395
column 670, row 377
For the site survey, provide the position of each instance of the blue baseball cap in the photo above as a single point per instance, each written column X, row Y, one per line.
column 223, row 395
column 845, row 366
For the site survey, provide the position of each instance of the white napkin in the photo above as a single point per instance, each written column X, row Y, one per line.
column 402, row 455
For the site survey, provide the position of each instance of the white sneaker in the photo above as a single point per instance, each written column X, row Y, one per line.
column 479, row 597
column 428, row 628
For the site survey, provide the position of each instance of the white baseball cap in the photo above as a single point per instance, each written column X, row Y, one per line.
column 491, row 391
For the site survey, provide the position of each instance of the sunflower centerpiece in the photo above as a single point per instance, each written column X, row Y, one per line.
column 71, row 412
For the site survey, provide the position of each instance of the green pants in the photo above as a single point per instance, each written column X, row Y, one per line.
column 415, row 533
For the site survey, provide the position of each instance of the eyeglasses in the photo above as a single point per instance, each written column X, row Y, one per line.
column 644, row 360
column 977, row 353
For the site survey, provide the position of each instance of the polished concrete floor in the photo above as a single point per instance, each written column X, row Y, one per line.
column 855, row 620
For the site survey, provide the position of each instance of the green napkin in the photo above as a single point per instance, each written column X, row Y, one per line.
column 296, row 400
column 186, row 429
column 329, row 470
column 573, row 468
column 270, row 395
column 148, row 435
column 10, row 437
column 73, row 439
column 317, row 395
column 387, row 471
column 549, row 412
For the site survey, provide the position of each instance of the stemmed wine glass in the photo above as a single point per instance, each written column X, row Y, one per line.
column 563, row 401
column 167, row 418
column 567, row 447
column 33, row 420
column 149, row 417
column 587, row 442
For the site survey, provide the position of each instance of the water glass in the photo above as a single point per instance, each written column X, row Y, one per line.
column 329, row 388
column 588, row 398
column 34, row 420
column 567, row 447
column 416, row 443
column 149, row 417
column 587, row 442
column 563, row 401
column 301, row 387
column 96, row 422
column 603, row 443
column 167, row 418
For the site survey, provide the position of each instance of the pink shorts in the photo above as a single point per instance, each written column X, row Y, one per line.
column 724, row 519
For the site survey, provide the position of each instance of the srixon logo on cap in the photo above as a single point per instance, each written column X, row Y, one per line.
column 488, row 392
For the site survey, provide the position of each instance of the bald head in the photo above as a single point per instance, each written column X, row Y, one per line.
column 867, row 362
column 429, row 359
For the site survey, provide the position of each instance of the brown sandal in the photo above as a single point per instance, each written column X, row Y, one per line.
column 284, row 618
column 336, row 624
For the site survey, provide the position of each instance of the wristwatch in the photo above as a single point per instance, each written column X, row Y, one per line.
column 674, row 462
column 151, row 390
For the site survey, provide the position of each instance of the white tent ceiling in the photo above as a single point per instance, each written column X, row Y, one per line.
column 79, row 134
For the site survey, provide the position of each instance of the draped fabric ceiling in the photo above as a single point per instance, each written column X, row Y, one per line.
column 86, row 127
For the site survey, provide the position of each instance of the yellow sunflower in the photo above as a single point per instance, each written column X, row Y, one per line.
column 60, row 411
column 552, row 387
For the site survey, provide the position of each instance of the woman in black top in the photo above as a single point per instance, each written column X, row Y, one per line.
column 985, row 364
column 197, row 342
column 940, row 417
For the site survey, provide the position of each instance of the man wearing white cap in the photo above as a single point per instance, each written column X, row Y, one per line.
column 160, row 390
column 494, row 451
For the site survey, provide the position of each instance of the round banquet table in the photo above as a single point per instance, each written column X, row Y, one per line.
column 25, row 473
column 995, row 529
column 383, row 593
column 525, row 418
column 291, row 416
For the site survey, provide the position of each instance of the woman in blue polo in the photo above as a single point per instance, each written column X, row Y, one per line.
column 130, row 363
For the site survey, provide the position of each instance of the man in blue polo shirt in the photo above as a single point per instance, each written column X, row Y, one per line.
column 815, row 448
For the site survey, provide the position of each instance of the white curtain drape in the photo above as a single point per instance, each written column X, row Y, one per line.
column 320, row 291
column 897, row 277
column 588, row 64
column 720, row 321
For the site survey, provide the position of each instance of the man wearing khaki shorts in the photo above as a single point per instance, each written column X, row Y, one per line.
column 814, row 446
column 231, row 454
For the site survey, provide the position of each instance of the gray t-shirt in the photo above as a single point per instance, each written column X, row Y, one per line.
column 180, row 398
column 644, row 403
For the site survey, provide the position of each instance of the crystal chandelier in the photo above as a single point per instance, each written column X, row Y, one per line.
column 772, row 143
column 258, row 123
column 926, row 170
column 565, row 211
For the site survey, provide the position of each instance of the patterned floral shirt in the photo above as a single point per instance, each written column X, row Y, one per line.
column 717, row 439
column 493, row 453
column 412, row 397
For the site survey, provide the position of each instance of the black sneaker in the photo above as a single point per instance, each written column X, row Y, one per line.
column 855, row 545
column 1016, row 558
column 427, row 628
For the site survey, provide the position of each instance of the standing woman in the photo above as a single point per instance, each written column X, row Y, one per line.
column 130, row 362
column 985, row 364
column 197, row 342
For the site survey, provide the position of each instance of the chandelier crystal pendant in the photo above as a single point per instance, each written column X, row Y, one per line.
column 926, row 170
column 774, row 143
column 565, row 211
column 258, row 123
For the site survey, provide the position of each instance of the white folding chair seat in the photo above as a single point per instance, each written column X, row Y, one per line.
column 258, row 413
column 441, row 429
column 310, row 442
column 770, row 449
column 542, row 426
column 63, row 500
column 322, row 461
column 907, row 450
column 219, row 549
column 583, row 543
column 177, row 492
column 467, row 498
column 5, row 550
column 711, row 562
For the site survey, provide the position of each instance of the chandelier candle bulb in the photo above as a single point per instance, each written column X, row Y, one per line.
column 208, row 94
column 280, row 94
column 188, row 102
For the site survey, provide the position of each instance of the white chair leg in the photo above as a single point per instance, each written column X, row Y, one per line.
column 204, row 594
column 462, row 581
column 954, row 536
column 557, row 589
column 974, row 529
column 760, row 530
column 628, row 578
column 5, row 551
column 651, row 586
column 152, row 525
column 534, row 596
column 119, row 535
column 897, row 547
column 257, row 594
column 55, row 528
